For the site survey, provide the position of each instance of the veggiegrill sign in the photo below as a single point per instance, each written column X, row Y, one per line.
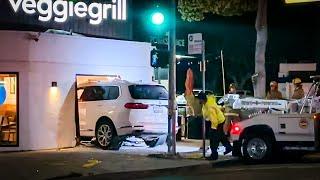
column 60, row 10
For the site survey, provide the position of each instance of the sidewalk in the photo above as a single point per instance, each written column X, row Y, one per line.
column 84, row 161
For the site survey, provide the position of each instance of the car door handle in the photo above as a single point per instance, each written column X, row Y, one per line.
column 282, row 132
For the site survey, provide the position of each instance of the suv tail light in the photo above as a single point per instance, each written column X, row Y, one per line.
column 235, row 129
column 136, row 106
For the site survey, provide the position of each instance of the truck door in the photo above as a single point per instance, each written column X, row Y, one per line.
column 296, row 127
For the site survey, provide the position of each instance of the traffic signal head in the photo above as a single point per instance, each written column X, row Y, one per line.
column 157, row 18
column 159, row 58
column 158, row 21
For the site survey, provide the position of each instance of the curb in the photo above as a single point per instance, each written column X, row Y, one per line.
column 164, row 171
column 145, row 173
column 187, row 156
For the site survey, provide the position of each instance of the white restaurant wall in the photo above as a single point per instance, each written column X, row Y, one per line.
column 46, row 114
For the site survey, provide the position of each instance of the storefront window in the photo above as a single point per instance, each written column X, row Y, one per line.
column 8, row 109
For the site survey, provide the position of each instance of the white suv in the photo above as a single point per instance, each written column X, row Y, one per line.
column 120, row 108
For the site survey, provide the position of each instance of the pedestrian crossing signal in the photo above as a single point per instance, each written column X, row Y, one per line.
column 159, row 58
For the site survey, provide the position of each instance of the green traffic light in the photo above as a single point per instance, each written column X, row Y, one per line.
column 157, row 18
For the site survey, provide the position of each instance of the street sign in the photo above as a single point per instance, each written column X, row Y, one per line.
column 195, row 43
column 163, row 40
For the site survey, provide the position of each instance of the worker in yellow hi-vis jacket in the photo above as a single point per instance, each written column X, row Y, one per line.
column 212, row 112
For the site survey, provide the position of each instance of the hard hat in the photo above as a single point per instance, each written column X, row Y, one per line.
column 296, row 81
column 202, row 96
column 273, row 83
column 232, row 85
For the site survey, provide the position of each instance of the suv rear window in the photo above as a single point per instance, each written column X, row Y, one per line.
column 96, row 93
column 148, row 92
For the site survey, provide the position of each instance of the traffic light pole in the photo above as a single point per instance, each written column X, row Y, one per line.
column 171, row 141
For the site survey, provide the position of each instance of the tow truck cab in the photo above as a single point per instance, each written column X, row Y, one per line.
column 264, row 132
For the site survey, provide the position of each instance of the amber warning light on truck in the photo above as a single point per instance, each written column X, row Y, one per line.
column 316, row 117
column 299, row 1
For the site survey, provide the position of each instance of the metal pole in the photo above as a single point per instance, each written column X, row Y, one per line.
column 171, row 141
column 306, row 98
column 203, row 88
column 222, row 69
column 203, row 67
column 158, row 74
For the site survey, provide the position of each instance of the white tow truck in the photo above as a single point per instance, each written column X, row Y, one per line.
column 266, row 127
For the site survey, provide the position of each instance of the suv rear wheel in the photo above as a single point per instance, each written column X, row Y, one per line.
column 104, row 134
column 257, row 148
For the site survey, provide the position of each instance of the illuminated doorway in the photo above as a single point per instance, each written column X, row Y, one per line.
column 80, row 80
column 9, row 109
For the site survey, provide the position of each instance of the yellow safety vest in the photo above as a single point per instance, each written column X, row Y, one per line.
column 212, row 112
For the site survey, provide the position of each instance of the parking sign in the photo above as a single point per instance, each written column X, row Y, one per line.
column 195, row 43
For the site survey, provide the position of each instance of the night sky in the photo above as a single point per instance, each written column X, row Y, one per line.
column 293, row 32
column 293, row 36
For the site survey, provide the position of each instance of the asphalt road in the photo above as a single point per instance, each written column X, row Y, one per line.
column 284, row 169
column 287, row 172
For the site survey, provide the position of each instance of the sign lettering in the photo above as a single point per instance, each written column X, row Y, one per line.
column 60, row 10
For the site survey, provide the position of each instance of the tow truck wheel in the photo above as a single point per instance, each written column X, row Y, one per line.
column 257, row 148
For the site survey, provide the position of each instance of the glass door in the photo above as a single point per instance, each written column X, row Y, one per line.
column 8, row 109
